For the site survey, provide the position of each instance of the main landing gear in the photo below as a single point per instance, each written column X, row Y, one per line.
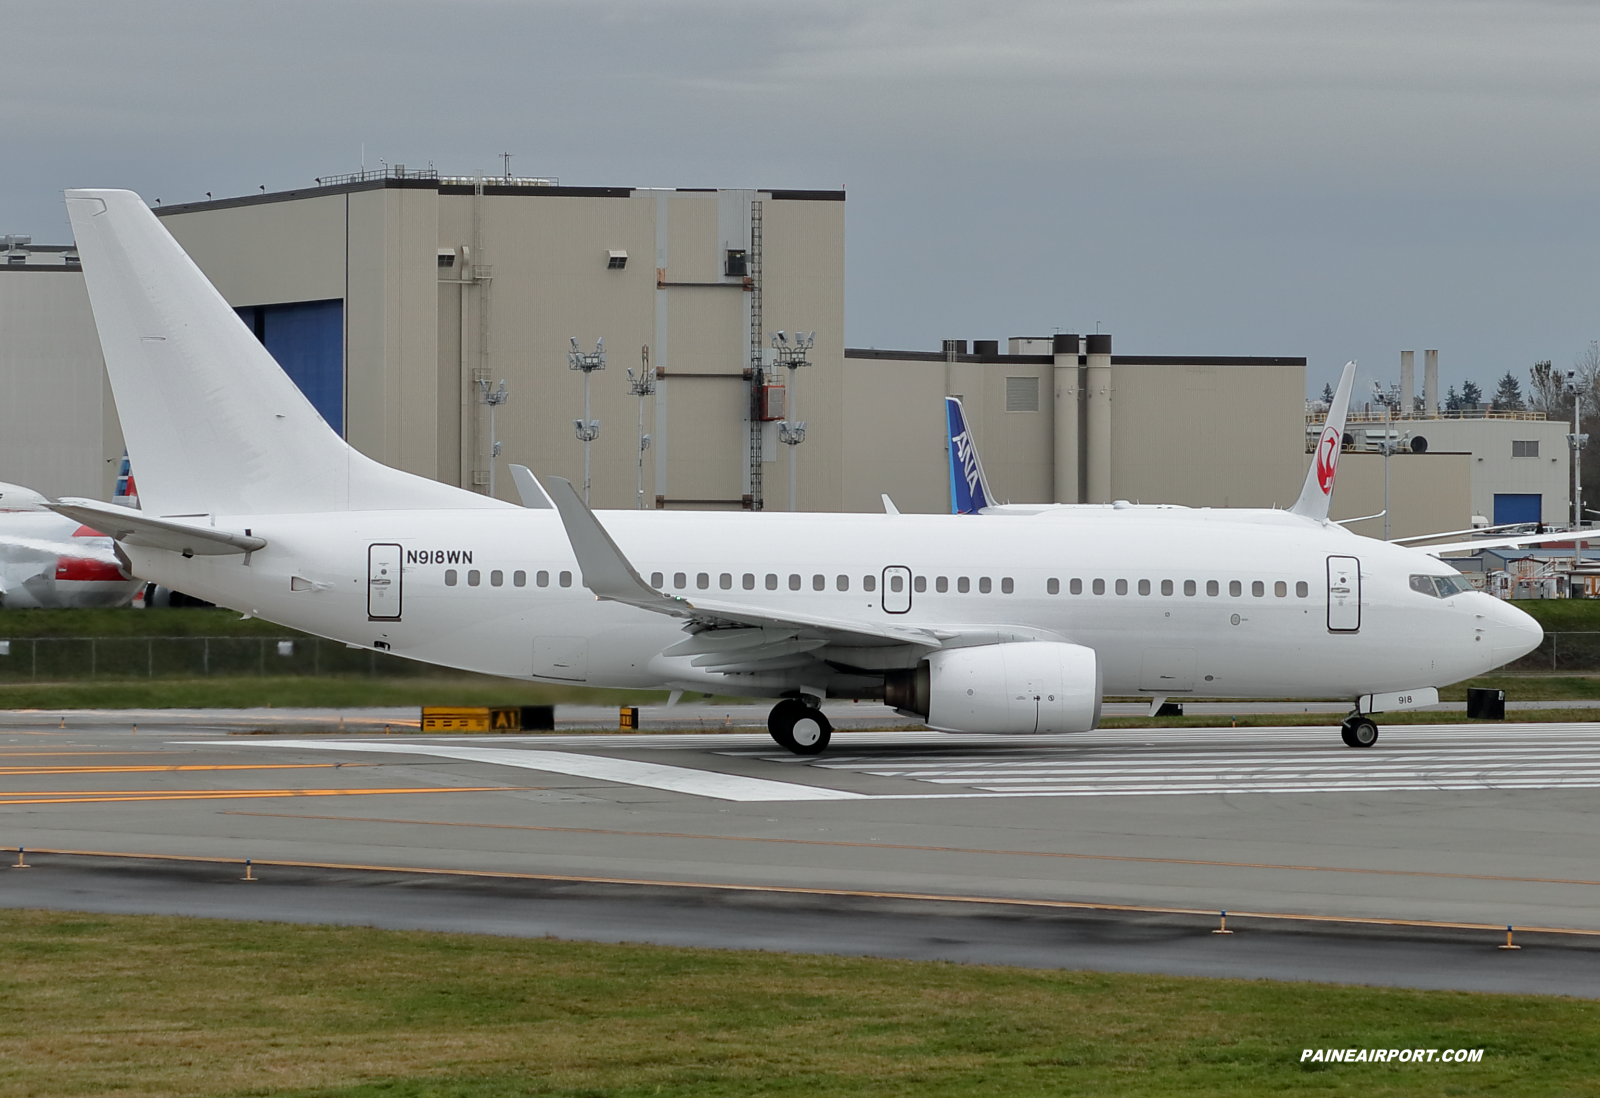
column 1358, row 730
column 799, row 727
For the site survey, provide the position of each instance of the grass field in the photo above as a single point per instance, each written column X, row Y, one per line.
column 140, row 1005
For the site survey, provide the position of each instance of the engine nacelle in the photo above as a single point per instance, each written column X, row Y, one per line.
column 1021, row 687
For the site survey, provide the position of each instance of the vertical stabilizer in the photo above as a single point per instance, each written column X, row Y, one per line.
column 1318, row 490
column 211, row 422
column 969, row 488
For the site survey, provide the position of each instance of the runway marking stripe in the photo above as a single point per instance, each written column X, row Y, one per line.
column 933, row 849
column 7, row 800
column 799, row 890
column 677, row 779
column 28, row 771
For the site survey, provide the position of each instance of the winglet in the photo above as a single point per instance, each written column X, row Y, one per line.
column 1318, row 490
column 606, row 571
column 534, row 497
column 888, row 505
column 969, row 488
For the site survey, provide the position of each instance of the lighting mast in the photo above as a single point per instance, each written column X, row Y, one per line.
column 790, row 432
column 642, row 386
column 493, row 398
column 588, row 429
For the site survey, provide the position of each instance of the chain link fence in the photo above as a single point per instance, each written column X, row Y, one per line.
column 1577, row 653
column 52, row 659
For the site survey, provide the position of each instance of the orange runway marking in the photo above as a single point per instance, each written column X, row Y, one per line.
column 939, row 849
column 107, row 797
column 797, row 890
column 17, row 771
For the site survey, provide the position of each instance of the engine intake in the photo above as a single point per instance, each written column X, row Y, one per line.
column 1017, row 688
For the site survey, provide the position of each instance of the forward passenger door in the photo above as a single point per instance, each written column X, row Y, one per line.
column 1344, row 595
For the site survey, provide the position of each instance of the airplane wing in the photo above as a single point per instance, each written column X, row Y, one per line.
column 608, row 573
column 46, row 547
column 1527, row 540
column 138, row 528
column 1318, row 490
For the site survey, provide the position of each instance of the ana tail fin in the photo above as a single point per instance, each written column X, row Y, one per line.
column 211, row 421
column 969, row 488
column 1318, row 490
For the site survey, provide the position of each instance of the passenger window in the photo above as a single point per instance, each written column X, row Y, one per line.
column 1212, row 588
column 1076, row 587
column 449, row 577
column 497, row 578
column 749, row 581
column 1144, row 587
column 1257, row 588
column 1006, row 585
column 725, row 581
column 1301, row 590
column 1122, row 587
column 1099, row 587
column 1188, row 587
column 680, row 580
column 1235, row 588
column 656, row 579
column 842, row 582
column 543, row 579
column 474, row 577
column 1166, row 587
column 794, row 582
column 519, row 578
column 772, row 581
column 963, row 585
column 897, row 583
column 702, row 581
column 984, row 585
column 869, row 583
column 1053, row 587
column 565, row 579
column 819, row 583
column 920, row 584
column 942, row 584
column 1281, row 589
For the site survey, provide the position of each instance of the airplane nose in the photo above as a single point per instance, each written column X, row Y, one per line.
column 1514, row 633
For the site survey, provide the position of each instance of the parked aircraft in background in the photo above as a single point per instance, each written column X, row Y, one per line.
column 1017, row 619
column 49, row 561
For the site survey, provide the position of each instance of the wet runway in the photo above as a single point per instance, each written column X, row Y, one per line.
column 1482, row 824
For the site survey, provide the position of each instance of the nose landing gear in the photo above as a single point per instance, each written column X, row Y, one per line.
column 1358, row 731
column 798, row 727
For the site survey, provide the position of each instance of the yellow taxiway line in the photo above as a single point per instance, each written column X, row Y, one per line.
column 23, row 771
column 102, row 797
column 846, row 893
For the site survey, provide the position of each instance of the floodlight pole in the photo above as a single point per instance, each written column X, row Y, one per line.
column 1388, row 448
column 792, row 433
column 642, row 386
column 588, row 429
column 493, row 398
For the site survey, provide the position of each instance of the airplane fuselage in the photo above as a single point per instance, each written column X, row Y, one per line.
column 1196, row 603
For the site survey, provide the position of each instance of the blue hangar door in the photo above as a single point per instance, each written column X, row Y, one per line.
column 1518, row 507
column 307, row 339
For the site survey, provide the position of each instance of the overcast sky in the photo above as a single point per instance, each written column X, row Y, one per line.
column 1329, row 178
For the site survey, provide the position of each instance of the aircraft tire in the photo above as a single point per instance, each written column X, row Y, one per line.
column 1359, row 732
column 810, row 733
column 780, row 722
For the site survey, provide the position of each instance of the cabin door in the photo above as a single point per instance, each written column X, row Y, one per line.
column 1344, row 595
column 383, row 582
column 896, row 590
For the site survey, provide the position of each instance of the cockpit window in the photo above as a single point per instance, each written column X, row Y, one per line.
column 1440, row 587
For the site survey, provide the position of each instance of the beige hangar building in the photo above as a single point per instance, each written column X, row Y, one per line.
column 389, row 298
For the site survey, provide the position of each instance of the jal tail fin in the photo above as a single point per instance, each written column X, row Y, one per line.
column 1318, row 490
column 211, row 422
column 969, row 488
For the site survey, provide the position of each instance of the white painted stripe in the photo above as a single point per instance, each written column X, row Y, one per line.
column 677, row 779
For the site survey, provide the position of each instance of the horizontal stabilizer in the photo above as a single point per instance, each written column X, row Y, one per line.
column 1318, row 490
column 137, row 528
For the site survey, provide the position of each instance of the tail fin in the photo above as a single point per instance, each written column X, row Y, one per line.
column 211, row 421
column 969, row 488
column 1318, row 490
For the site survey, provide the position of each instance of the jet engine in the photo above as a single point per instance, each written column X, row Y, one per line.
column 1022, row 687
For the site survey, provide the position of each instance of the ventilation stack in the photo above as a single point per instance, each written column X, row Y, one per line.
column 1067, row 469
column 1430, row 382
column 1408, row 381
column 1097, row 391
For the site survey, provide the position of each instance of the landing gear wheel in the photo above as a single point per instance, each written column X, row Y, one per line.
column 1358, row 732
column 798, row 727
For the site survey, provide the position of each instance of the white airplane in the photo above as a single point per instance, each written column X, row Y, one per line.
column 1018, row 620
column 50, row 561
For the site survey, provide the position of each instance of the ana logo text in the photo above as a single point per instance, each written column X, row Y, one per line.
column 967, row 455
